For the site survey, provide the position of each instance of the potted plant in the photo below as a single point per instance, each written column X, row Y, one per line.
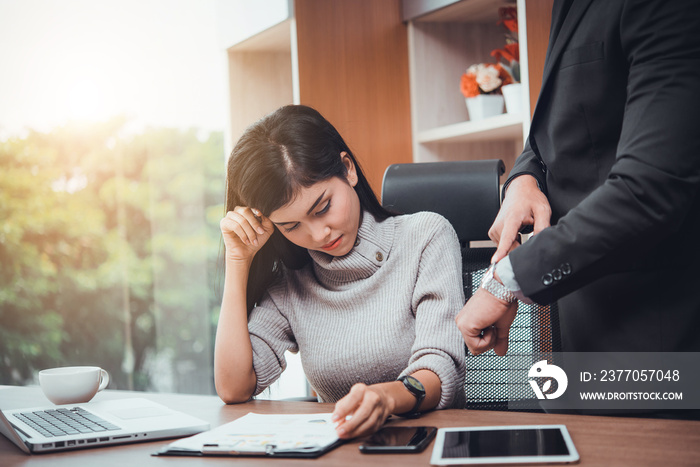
column 481, row 87
column 509, row 57
column 485, row 85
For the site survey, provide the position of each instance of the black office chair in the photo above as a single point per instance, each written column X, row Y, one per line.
column 467, row 194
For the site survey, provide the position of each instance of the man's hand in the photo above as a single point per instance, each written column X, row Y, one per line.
column 523, row 205
column 485, row 323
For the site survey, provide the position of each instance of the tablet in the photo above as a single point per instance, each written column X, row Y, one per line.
column 520, row 444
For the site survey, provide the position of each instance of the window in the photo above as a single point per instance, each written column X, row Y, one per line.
column 110, row 254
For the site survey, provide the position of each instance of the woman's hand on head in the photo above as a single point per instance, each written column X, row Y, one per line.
column 245, row 231
column 362, row 411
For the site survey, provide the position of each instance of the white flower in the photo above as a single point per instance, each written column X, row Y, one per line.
column 487, row 77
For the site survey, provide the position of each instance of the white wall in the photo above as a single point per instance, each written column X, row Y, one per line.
column 238, row 20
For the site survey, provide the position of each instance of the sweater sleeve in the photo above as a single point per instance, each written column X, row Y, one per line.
column 437, row 298
column 270, row 336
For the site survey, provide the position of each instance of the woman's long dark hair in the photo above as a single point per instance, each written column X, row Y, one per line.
column 294, row 147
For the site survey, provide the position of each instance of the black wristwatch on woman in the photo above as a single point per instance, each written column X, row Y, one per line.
column 416, row 388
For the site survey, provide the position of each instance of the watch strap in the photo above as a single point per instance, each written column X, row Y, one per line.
column 411, row 383
column 495, row 288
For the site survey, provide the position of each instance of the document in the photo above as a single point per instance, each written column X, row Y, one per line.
column 288, row 435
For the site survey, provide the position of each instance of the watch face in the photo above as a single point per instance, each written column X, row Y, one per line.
column 488, row 275
column 415, row 383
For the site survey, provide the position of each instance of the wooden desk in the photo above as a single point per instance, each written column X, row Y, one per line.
column 609, row 441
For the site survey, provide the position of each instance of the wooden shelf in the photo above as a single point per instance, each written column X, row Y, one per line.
column 275, row 39
column 504, row 126
column 446, row 37
column 468, row 11
column 261, row 79
column 348, row 59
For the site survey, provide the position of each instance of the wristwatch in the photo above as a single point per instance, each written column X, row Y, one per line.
column 416, row 388
column 495, row 288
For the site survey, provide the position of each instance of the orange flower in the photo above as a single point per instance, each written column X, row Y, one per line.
column 469, row 86
column 509, row 53
column 509, row 18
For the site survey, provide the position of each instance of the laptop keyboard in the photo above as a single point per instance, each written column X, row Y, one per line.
column 59, row 422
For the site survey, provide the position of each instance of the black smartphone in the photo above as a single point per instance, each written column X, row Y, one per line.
column 398, row 439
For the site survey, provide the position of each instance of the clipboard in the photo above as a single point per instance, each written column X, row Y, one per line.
column 268, row 435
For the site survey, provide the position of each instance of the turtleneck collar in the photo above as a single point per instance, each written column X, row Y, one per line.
column 372, row 249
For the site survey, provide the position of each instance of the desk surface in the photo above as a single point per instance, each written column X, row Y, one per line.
column 600, row 440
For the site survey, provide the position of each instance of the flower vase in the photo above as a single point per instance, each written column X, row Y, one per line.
column 513, row 96
column 484, row 105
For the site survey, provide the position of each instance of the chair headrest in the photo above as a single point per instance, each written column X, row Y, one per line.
column 464, row 192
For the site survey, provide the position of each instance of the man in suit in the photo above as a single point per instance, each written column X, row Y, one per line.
column 610, row 180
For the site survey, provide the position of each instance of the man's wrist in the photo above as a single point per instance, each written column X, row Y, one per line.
column 504, row 272
column 495, row 287
column 526, row 178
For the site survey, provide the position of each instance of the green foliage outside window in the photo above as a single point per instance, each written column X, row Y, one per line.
column 109, row 248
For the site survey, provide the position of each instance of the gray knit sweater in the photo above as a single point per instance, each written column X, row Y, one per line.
column 384, row 310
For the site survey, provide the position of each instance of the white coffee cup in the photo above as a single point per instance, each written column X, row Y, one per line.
column 72, row 384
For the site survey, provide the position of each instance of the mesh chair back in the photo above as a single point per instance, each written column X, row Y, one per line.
column 467, row 194
column 494, row 382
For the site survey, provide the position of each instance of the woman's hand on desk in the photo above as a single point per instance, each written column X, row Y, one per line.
column 245, row 231
column 362, row 411
column 365, row 408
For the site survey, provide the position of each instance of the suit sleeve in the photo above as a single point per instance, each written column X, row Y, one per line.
column 527, row 163
column 652, row 187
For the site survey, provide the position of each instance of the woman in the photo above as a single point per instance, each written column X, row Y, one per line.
column 314, row 264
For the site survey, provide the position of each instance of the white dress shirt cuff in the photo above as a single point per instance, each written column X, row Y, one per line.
column 505, row 273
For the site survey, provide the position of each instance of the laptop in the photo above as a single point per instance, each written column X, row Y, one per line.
column 75, row 426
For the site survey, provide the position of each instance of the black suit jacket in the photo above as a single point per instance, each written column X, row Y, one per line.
column 615, row 145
